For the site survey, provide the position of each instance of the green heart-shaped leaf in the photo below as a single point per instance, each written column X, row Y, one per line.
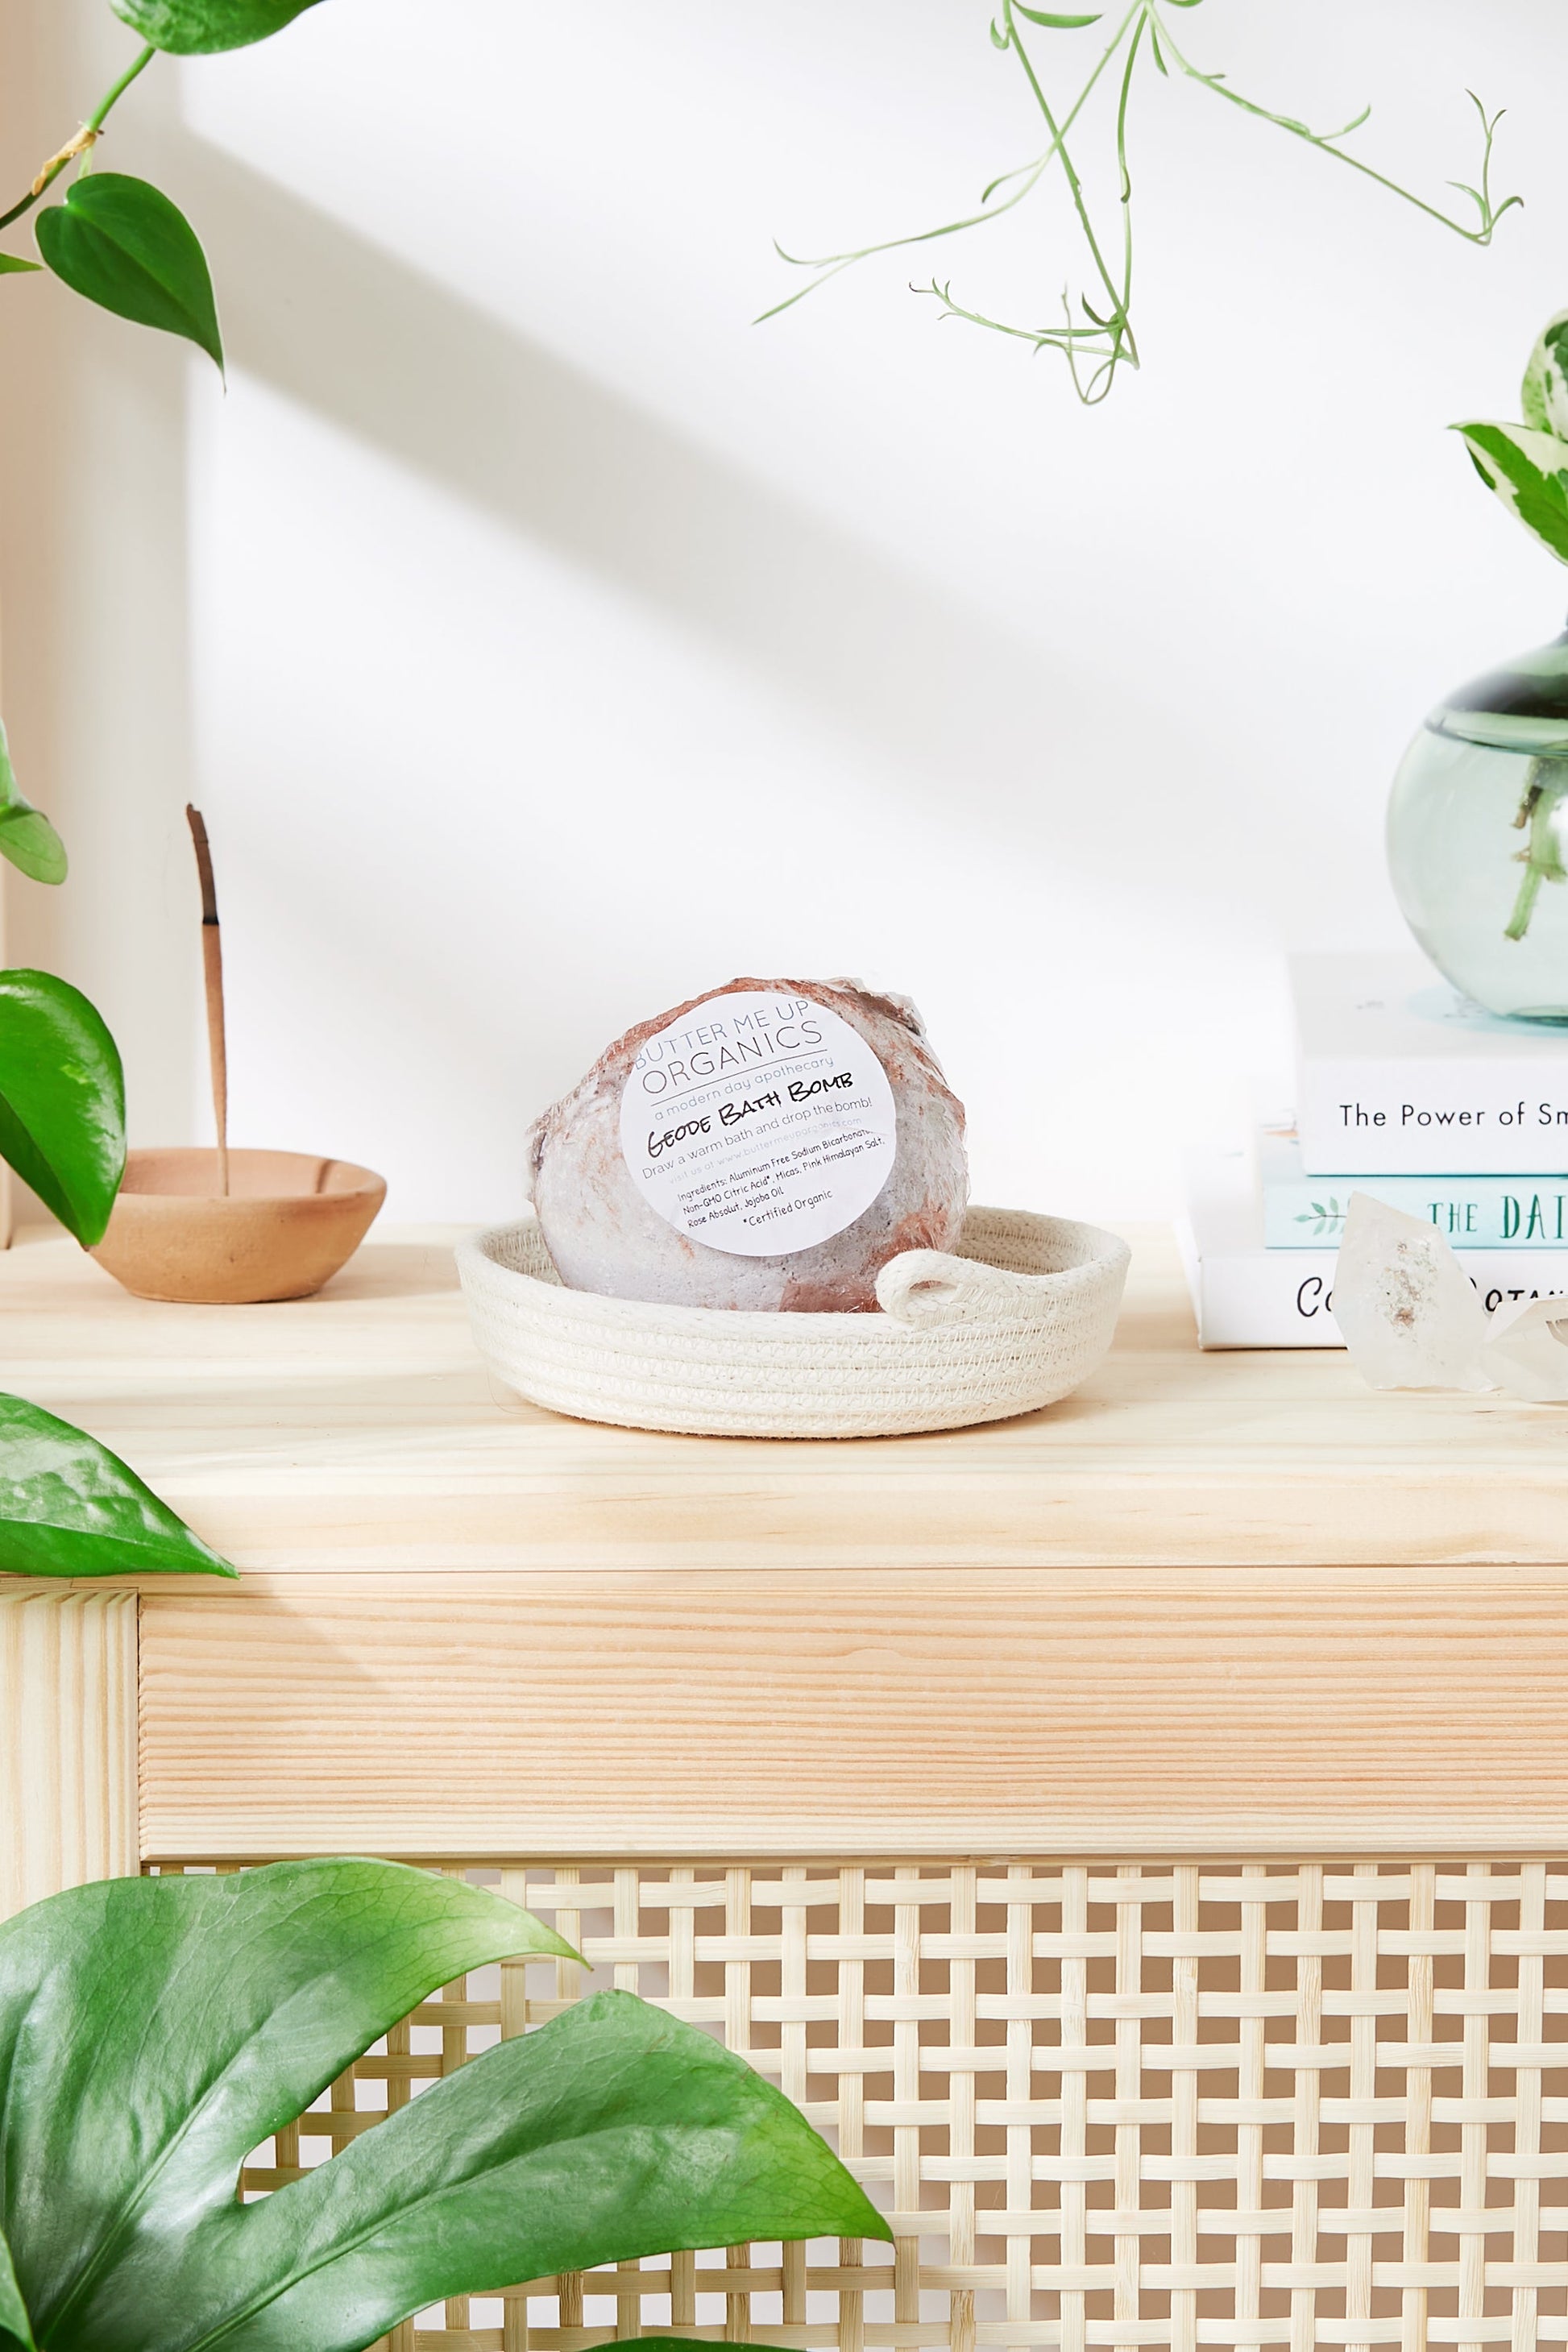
column 1529, row 472
column 121, row 243
column 1546, row 380
column 26, row 837
column 62, row 1099
column 199, row 27
column 71, row 1508
column 31, row 843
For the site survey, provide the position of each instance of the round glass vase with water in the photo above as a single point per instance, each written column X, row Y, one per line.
column 1477, row 836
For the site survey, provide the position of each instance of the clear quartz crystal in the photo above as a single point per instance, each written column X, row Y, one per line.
column 1407, row 1311
column 1527, row 1350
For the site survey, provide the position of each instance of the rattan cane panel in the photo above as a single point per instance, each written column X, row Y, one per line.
column 1105, row 2104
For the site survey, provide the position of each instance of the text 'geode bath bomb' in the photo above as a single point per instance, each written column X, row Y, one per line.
column 769, row 1146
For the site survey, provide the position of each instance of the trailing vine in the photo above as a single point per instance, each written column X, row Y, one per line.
column 1096, row 337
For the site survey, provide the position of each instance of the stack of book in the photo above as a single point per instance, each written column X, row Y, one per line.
column 1406, row 1091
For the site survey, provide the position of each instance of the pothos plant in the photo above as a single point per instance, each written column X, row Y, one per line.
column 1096, row 336
column 155, row 2032
column 1527, row 465
column 120, row 243
column 67, row 1505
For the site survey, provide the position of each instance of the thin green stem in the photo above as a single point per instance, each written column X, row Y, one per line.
column 46, row 178
column 830, row 264
column 96, row 121
column 1325, row 145
column 1104, row 376
column 1056, row 338
column 1058, row 146
column 1108, row 340
column 83, row 142
column 1524, row 905
column 1545, row 788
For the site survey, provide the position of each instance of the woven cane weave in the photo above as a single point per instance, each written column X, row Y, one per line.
column 1120, row 2105
column 1018, row 1318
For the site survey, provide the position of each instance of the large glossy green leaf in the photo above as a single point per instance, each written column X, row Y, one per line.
column 613, row 2131
column 1546, row 380
column 198, row 27
column 1528, row 471
column 121, row 243
column 152, row 2031
column 26, row 837
column 62, row 1099
column 71, row 1508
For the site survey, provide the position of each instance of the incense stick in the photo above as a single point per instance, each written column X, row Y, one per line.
column 212, row 969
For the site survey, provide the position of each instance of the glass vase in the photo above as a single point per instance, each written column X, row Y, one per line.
column 1477, row 836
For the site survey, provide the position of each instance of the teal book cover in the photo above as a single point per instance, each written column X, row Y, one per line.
column 1302, row 1212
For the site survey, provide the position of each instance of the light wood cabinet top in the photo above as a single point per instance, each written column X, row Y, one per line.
column 359, row 1432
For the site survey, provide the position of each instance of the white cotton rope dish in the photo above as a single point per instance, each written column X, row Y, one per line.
column 1017, row 1318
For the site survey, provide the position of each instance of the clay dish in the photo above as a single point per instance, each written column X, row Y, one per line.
column 288, row 1223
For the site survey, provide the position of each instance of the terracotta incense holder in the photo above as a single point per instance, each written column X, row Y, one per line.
column 286, row 1225
column 224, row 1228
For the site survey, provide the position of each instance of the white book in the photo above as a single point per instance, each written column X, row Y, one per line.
column 1246, row 1295
column 1398, row 1074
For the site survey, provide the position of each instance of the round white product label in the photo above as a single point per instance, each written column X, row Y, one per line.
column 758, row 1124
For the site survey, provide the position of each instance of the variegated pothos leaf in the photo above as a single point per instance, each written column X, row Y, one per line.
column 1528, row 471
column 1546, row 380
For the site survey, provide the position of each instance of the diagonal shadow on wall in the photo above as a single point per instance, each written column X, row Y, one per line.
column 957, row 702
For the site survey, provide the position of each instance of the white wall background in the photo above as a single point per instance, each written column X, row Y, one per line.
column 545, row 643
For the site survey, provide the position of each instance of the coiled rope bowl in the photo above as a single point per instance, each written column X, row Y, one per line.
column 1018, row 1318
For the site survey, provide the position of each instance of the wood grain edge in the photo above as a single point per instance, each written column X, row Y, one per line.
column 67, row 1741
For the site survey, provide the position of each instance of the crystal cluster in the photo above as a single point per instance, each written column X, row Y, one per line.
column 1412, row 1319
column 1407, row 1309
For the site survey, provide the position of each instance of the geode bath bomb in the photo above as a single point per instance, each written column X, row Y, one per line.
column 770, row 1145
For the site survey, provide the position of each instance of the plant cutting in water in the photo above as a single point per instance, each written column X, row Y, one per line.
column 1097, row 340
column 1527, row 465
column 156, row 2031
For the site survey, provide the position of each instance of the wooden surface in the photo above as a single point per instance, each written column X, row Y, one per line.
column 915, row 1712
column 67, row 1739
column 358, row 1431
column 1216, row 1604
